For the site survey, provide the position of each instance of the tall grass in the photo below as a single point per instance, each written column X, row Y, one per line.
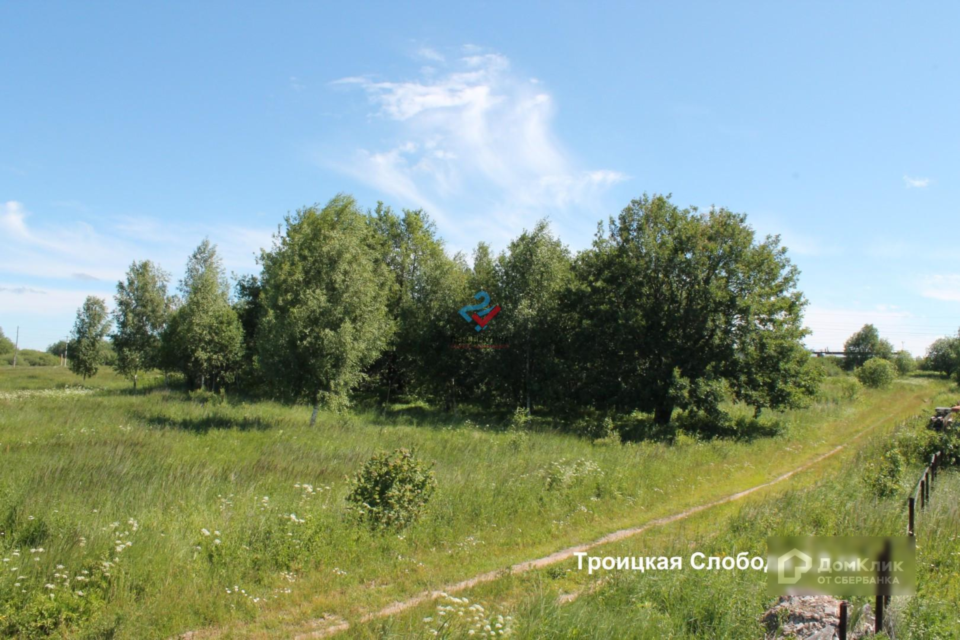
column 222, row 513
column 692, row 604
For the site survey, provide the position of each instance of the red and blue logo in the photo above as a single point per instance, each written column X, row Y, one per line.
column 481, row 313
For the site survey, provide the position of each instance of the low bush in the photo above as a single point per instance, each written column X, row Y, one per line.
column 877, row 373
column 391, row 490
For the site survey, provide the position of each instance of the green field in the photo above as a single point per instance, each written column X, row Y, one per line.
column 175, row 513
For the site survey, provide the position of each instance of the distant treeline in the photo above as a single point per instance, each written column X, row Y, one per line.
column 668, row 308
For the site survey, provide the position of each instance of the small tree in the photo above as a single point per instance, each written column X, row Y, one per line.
column 865, row 344
column 204, row 338
column 905, row 363
column 877, row 373
column 141, row 315
column 89, row 331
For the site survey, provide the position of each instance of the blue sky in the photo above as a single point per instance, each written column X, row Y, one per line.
column 132, row 132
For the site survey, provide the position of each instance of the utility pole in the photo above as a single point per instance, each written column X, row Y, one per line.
column 16, row 348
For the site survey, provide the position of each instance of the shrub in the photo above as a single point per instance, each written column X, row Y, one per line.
column 596, row 427
column 391, row 490
column 519, row 420
column 876, row 373
column 905, row 363
column 883, row 476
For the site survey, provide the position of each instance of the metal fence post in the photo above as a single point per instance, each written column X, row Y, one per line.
column 842, row 626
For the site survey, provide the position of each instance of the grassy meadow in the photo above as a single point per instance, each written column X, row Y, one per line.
column 173, row 512
column 834, row 500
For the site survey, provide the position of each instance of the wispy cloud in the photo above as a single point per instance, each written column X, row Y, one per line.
column 22, row 290
column 433, row 55
column 941, row 287
column 917, row 183
column 475, row 138
column 42, row 247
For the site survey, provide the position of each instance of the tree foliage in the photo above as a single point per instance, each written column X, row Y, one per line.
column 531, row 276
column 89, row 331
column 141, row 313
column 865, row 344
column 6, row 344
column 424, row 286
column 203, row 337
column 673, row 307
column 905, row 363
column 325, row 292
column 877, row 373
column 943, row 356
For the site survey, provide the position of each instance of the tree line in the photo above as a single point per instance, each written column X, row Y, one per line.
column 667, row 308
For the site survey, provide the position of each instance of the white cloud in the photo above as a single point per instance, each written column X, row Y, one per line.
column 22, row 301
column 941, row 287
column 917, row 183
column 478, row 139
column 51, row 248
column 431, row 54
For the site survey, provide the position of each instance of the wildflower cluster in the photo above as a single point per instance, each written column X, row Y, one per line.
column 563, row 475
column 25, row 394
column 456, row 617
column 34, row 595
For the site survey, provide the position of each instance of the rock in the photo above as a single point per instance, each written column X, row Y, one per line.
column 803, row 617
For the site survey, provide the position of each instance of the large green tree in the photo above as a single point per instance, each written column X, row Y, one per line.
column 532, row 273
column 203, row 338
column 672, row 308
column 140, row 315
column 89, row 331
column 864, row 345
column 425, row 289
column 325, row 294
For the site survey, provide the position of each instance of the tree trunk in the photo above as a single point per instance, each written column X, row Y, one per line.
column 313, row 417
column 662, row 413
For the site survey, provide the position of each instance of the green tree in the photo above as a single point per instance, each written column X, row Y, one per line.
column 58, row 348
column 531, row 275
column 943, row 356
column 905, row 363
column 89, row 331
column 141, row 313
column 6, row 344
column 863, row 345
column 203, row 338
column 877, row 373
column 249, row 308
column 426, row 286
column 673, row 307
column 325, row 293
